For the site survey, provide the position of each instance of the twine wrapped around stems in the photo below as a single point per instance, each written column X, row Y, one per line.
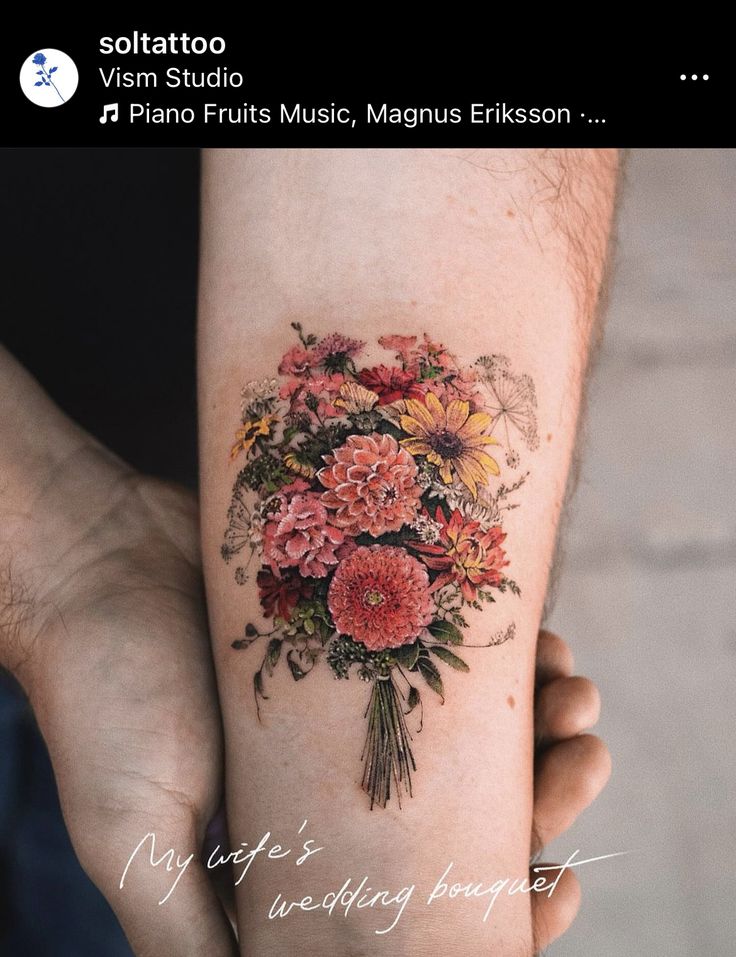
column 387, row 753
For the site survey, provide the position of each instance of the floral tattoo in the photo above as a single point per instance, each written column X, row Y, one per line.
column 373, row 499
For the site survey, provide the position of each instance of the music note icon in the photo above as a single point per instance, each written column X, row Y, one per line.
column 110, row 111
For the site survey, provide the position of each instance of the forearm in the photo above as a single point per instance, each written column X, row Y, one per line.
column 489, row 254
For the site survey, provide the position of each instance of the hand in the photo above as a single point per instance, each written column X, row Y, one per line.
column 109, row 638
column 102, row 620
column 570, row 771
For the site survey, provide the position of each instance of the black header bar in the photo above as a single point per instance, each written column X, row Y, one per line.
column 230, row 87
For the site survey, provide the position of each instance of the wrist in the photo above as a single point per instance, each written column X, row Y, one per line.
column 46, row 476
column 36, row 545
column 37, row 437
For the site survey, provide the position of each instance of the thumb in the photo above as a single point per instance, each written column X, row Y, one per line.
column 553, row 912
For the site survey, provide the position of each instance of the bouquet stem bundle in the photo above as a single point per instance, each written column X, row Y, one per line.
column 387, row 753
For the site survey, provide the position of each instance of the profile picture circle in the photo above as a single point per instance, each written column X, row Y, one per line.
column 49, row 77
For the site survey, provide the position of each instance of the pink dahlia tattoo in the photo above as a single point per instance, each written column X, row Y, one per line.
column 371, row 484
column 379, row 595
column 373, row 499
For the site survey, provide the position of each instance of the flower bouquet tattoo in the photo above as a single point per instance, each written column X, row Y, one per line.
column 373, row 501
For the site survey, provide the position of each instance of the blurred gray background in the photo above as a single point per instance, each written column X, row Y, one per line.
column 648, row 588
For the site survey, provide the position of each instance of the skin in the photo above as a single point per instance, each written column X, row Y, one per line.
column 103, row 623
column 488, row 252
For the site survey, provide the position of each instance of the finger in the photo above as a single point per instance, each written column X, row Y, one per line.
column 566, row 707
column 568, row 778
column 553, row 912
column 554, row 658
column 169, row 909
